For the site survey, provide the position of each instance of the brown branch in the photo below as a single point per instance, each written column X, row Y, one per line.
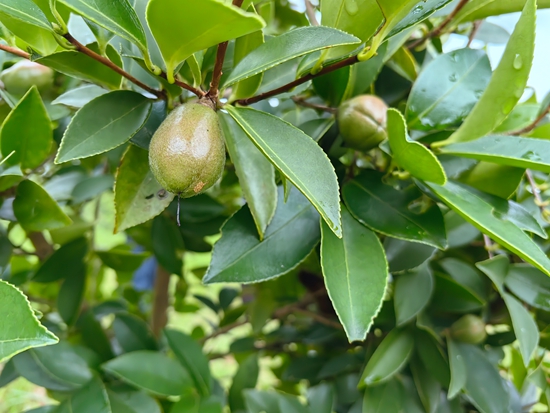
column 488, row 245
column 319, row 318
column 185, row 86
column 218, row 66
column 285, row 88
column 159, row 318
column 15, row 51
column 439, row 29
column 532, row 125
column 302, row 102
column 103, row 60
column 473, row 33
column 42, row 247
column 223, row 330
column 310, row 12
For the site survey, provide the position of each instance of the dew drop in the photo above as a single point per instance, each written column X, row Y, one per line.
column 418, row 9
column 532, row 156
column 508, row 106
column 518, row 62
column 351, row 7
column 478, row 94
column 453, row 77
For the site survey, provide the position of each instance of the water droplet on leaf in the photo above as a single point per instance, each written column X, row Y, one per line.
column 351, row 7
column 518, row 62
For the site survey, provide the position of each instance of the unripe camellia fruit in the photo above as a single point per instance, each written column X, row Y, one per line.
column 187, row 152
column 362, row 121
column 24, row 74
column 469, row 329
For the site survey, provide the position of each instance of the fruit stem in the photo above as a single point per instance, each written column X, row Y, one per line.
column 178, row 211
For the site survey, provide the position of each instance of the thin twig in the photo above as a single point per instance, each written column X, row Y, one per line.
column 488, row 245
column 15, row 51
column 536, row 193
column 42, row 247
column 161, row 301
column 285, row 88
column 473, row 33
column 302, row 102
column 532, row 125
column 218, row 66
column 223, row 330
column 310, row 12
column 185, row 86
column 103, row 60
column 319, row 318
column 439, row 29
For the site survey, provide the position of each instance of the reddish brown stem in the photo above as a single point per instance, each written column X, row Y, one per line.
column 306, row 104
column 42, row 247
column 532, row 125
column 310, row 11
column 160, row 301
column 218, row 66
column 15, row 51
column 439, row 29
column 186, row 86
column 285, row 88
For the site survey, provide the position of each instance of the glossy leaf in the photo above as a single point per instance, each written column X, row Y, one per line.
column 507, row 82
column 103, row 124
column 76, row 98
column 506, row 150
column 167, row 244
column 81, row 66
column 494, row 179
column 480, row 9
column 410, row 155
column 418, row 13
column 525, row 328
column 429, row 389
column 20, row 330
column 35, row 210
column 183, row 27
column 389, row 357
column 117, row 16
column 287, row 46
column 133, row 334
column 529, row 285
column 412, row 292
column 356, row 274
column 91, row 398
column 387, row 397
column 190, row 355
column 386, row 210
column 67, row 261
column 297, row 157
column 71, row 295
column 483, row 383
column 151, row 371
column 447, row 89
column 30, row 141
column 239, row 255
column 25, row 11
column 458, row 369
column 321, row 398
column 404, row 255
column 255, row 172
column 450, row 296
column 480, row 214
column 245, row 378
column 138, row 195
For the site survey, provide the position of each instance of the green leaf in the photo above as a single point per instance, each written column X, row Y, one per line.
column 297, row 157
column 138, row 195
column 404, row 255
column 25, row 11
column 91, row 398
column 81, row 66
column 103, row 124
column 183, row 27
column 35, row 210
column 458, row 369
column 389, row 358
column 321, row 398
column 132, row 402
column 387, row 397
column 20, row 330
column 245, row 378
column 287, row 46
column 93, row 335
column 66, row 262
column 466, row 275
column 56, row 367
column 506, row 150
column 117, row 16
column 133, row 334
column 494, row 179
column 76, row 98
column 151, row 371
column 410, row 155
column 356, row 273
column 529, row 285
column 255, row 172
column 71, row 295
column 121, row 258
column 190, row 355
column 167, row 244
column 386, row 210
column 239, row 255
column 447, row 89
column 483, row 382
column 480, row 9
column 429, row 389
column 481, row 214
column 412, row 292
column 525, row 328
column 31, row 141
column 420, row 12
column 496, row 269
column 507, row 82
column 450, row 296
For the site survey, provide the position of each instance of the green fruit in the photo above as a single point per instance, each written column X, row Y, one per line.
column 24, row 74
column 469, row 329
column 362, row 122
column 187, row 152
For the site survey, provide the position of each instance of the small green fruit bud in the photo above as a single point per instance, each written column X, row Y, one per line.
column 469, row 329
column 362, row 122
column 24, row 74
